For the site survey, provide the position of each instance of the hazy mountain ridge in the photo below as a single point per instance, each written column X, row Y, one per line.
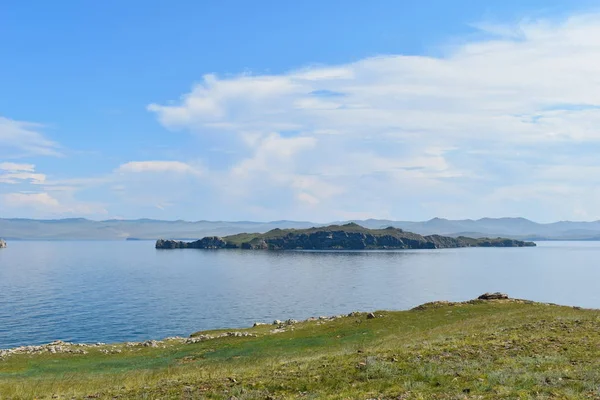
column 84, row 229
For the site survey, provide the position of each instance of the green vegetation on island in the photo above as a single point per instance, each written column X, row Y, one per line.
column 481, row 349
column 338, row 237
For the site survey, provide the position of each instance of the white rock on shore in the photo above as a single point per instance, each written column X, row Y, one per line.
column 58, row 346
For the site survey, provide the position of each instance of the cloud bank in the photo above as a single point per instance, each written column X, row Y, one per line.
column 496, row 126
column 502, row 125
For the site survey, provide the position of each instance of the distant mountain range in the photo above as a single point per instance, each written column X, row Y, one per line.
column 148, row 229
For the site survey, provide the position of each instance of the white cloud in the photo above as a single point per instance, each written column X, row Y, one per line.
column 19, row 173
column 14, row 167
column 271, row 152
column 415, row 136
column 30, row 200
column 307, row 198
column 19, row 139
column 530, row 82
column 176, row 167
column 43, row 204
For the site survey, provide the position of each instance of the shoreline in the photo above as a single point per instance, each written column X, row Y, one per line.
column 488, row 348
column 279, row 325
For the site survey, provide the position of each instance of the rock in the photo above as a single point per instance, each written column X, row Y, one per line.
column 2, row 244
column 198, row 339
column 277, row 322
column 209, row 242
column 291, row 322
column 174, row 338
column 370, row 315
column 150, row 343
column 259, row 324
column 493, row 296
column 354, row 314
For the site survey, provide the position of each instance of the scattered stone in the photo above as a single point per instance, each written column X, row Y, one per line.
column 291, row 322
column 493, row 296
column 370, row 315
column 55, row 347
column 202, row 338
column 237, row 334
column 175, row 338
column 150, row 343
column 198, row 339
column 354, row 314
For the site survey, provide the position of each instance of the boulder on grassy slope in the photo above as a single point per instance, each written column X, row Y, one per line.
column 493, row 296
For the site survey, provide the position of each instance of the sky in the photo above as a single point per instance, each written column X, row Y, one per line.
column 307, row 110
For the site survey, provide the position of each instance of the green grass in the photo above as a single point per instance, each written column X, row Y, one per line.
column 476, row 350
column 241, row 238
column 256, row 238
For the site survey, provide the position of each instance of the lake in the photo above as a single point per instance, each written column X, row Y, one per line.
column 128, row 291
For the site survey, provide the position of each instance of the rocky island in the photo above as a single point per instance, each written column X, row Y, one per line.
column 338, row 237
column 2, row 244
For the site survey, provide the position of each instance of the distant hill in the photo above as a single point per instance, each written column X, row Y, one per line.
column 149, row 229
column 350, row 236
column 516, row 228
column 84, row 229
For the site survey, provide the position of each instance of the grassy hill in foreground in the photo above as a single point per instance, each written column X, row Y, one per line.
column 498, row 349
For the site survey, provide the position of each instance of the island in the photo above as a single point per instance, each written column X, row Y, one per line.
column 338, row 237
column 2, row 244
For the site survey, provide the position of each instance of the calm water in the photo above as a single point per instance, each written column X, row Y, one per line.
column 116, row 291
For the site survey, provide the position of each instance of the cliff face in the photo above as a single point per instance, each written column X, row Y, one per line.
column 211, row 242
column 346, row 237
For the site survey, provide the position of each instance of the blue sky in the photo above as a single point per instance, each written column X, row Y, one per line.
column 312, row 110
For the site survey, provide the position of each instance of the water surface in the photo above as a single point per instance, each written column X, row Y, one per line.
column 117, row 291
